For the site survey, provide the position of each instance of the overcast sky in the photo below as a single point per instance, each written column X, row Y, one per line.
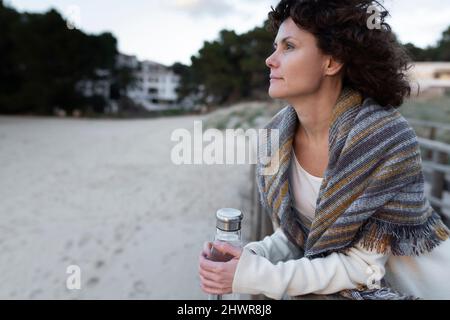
column 167, row 31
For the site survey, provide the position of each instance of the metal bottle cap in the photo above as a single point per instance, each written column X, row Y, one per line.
column 228, row 219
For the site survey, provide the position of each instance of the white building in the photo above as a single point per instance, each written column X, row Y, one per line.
column 155, row 86
column 432, row 77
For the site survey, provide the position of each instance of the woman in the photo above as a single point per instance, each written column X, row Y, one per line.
column 348, row 197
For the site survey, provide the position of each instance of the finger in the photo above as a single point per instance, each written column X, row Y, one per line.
column 209, row 265
column 210, row 290
column 207, row 246
column 225, row 247
column 206, row 251
column 209, row 275
column 210, row 283
column 216, row 291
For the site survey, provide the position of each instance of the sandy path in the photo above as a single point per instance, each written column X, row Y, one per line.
column 105, row 196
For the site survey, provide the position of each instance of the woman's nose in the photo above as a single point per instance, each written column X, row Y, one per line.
column 270, row 61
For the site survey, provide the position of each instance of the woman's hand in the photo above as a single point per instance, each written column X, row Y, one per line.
column 217, row 277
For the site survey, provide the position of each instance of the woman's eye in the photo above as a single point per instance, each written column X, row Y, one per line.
column 287, row 46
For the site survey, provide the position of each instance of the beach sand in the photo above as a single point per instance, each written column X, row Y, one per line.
column 105, row 196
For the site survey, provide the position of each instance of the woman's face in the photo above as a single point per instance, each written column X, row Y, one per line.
column 297, row 65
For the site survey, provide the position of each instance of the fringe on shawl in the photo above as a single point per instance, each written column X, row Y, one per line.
column 385, row 293
column 403, row 240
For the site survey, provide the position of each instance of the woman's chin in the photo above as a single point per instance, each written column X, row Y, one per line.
column 274, row 94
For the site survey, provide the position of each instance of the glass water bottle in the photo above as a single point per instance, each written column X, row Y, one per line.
column 228, row 229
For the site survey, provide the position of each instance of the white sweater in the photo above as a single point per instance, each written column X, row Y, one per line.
column 273, row 266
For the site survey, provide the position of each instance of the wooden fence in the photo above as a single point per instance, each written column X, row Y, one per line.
column 436, row 165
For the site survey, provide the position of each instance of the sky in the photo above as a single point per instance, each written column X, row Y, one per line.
column 168, row 31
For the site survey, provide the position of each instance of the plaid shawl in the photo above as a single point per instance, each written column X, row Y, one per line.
column 372, row 191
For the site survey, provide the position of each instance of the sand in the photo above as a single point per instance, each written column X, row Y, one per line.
column 105, row 196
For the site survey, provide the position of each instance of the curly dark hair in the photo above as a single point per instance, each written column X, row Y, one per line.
column 375, row 63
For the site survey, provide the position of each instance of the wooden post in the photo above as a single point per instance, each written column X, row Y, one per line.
column 438, row 178
column 267, row 227
column 254, row 199
column 257, row 210
column 431, row 136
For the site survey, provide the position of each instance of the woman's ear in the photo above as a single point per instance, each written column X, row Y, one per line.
column 333, row 66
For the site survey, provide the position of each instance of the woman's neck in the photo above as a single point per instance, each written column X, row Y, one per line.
column 314, row 112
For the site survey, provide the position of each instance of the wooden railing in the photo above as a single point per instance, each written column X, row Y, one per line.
column 436, row 165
